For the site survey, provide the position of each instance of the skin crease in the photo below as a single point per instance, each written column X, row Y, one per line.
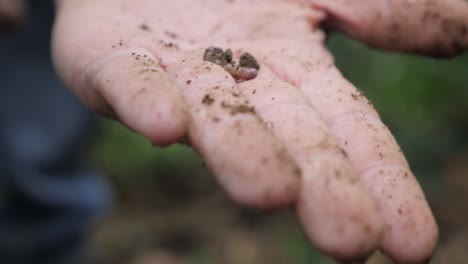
column 297, row 134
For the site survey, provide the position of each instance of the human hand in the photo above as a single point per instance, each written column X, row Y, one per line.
column 141, row 62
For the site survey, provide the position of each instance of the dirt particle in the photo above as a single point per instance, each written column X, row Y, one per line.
column 343, row 152
column 208, row 100
column 247, row 69
column 353, row 180
column 248, row 61
column 144, row 27
column 239, row 109
column 169, row 44
column 170, row 34
column 337, row 174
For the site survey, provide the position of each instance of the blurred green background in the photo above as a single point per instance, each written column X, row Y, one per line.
column 169, row 209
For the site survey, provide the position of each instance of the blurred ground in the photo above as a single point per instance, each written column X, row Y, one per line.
column 170, row 211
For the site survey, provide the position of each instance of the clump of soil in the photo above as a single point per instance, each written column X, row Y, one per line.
column 246, row 69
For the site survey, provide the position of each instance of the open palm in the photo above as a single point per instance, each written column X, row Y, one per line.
column 297, row 134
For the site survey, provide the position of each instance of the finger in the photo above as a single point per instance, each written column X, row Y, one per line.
column 132, row 84
column 410, row 232
column 248, row 162
column 337, row 213
column 435, row 27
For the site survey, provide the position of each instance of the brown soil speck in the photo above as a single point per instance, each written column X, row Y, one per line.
column 238, row 109
column 248, row 61
column 343, row 152
column 297, row 171
column 169, row 44
column 353, row 180
column 208, row 100
column 247, row 68
column 144, row 27
column 337, row 174
column 170, row 34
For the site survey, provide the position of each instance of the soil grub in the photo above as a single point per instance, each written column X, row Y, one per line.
column 246, row 69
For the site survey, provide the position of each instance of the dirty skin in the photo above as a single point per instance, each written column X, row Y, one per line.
column 246, row 69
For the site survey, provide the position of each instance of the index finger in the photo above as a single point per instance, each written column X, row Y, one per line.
column 246, row 159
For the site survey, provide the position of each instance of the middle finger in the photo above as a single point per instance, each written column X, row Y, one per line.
column 336, row 212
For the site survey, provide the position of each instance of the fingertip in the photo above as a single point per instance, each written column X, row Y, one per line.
column 414, row 249
column 411, row 232
column 141, row 95
column 166, row 126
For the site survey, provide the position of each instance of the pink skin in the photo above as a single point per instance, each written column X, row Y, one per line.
column 298, row 133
